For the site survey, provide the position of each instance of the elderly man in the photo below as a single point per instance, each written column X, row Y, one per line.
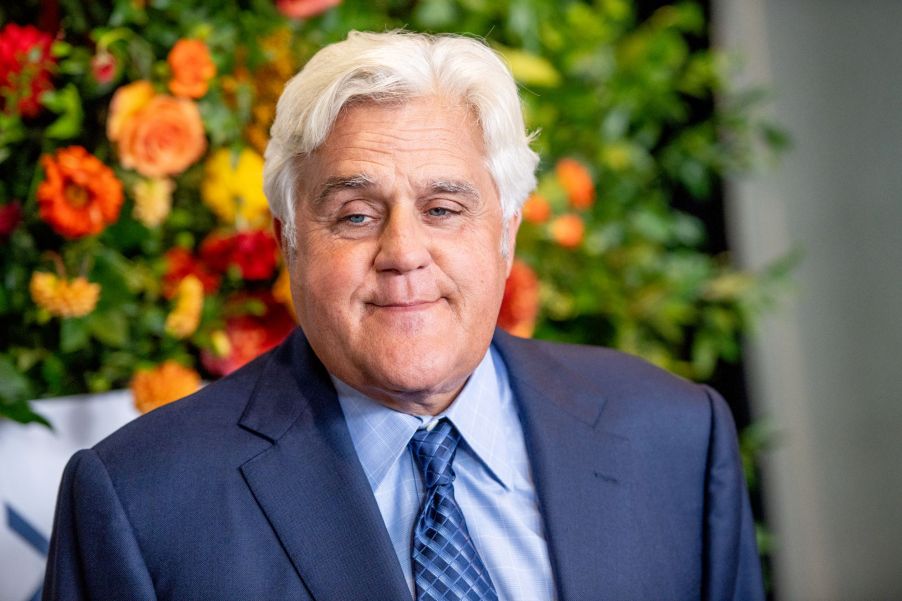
column 397, row 446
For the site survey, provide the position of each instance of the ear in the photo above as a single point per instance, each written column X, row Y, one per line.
column 278, row 231
column 513, row 226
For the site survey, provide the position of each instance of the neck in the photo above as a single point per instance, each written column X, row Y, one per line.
column 414, row 402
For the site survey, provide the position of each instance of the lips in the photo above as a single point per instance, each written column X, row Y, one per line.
column 404, row 304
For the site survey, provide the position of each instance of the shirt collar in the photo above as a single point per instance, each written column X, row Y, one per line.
column 380, row 434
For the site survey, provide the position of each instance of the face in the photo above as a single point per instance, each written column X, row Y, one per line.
column 398, row 271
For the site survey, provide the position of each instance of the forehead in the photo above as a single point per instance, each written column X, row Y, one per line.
column 422, row 132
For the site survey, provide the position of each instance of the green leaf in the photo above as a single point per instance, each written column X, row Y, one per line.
column 12, row 130
column 60, row 49
column 14, row 386
column 704, row 355
column 74, row 334
column 21, row 412
column 67, row 103
column 434, row 13
column 530, row 69
column 110, row 328
column 54, row 371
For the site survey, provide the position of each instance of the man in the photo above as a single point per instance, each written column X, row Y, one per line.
column 396, row 446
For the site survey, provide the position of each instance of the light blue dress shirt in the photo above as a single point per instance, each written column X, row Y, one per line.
column 494, row 485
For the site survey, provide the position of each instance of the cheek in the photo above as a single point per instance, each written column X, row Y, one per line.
column 480, row 276
column 329, row 276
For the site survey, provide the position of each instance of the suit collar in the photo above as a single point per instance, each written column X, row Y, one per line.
column 581, row 470
column 479, row 412
column 537, row 373
column 315, row 494
column 310, row 484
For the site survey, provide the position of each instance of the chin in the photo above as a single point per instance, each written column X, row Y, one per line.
column 417, row 372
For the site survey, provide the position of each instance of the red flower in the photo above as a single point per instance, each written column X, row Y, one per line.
column 10, row 217
column 254, row 253
column 304, row 9
column 103, row 67
column 250, row 335
column 520, row 305
column 181, row 263
column 216, row 252
column 25, row 68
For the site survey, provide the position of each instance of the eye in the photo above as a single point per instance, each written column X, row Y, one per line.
column 356, row 219
column 439, row 212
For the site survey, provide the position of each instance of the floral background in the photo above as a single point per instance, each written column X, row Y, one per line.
column 135, row 241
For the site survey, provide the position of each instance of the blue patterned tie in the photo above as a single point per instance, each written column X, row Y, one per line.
column 446, row 565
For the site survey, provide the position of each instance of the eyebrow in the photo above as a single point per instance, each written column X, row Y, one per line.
column 334, row 184
column 454, row 187
column 362, row 180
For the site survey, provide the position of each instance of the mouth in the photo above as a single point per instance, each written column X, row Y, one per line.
column 404, row 305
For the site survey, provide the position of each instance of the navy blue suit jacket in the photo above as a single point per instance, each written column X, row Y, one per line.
column 251, row 489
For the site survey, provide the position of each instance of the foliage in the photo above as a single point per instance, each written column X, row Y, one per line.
column 627, row 125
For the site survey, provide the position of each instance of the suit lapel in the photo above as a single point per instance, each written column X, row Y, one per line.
column 581, row 472
column 311, row 486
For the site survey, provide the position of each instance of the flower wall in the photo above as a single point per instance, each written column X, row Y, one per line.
column 136, row 245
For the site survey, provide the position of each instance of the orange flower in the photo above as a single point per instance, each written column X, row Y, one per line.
column 79, row 195
column 192, row 68
column 536, row 209
column 577, row 181
column 63, row 298
column 520, row 305
column 163, row 384
column 156, row 136
column 127, row 101
column 568, row 230
column 184, row 318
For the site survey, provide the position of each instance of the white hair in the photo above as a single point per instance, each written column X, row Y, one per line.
column 394, row 67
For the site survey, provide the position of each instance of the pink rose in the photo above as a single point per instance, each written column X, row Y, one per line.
column 304, row 9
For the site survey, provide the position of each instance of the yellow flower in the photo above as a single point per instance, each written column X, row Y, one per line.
column 153, row 200
column 219, row 340
column 163, row 384
column 184, row 318
column 281, row 290
column 268, row 80
column 63, row 298
column 233, row 189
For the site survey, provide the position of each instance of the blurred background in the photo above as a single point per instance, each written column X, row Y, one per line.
column 717, row 194
column 825, row 367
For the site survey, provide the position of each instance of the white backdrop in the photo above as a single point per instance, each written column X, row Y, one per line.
column 32, row 459
column 826, row 368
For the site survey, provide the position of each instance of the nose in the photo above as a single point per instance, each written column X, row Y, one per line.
column 403, row 243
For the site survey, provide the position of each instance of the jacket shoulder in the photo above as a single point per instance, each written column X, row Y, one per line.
column 188, row 428
column 611, row 372
column 629, row 394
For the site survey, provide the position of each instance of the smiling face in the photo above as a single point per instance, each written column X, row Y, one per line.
column 398, row 271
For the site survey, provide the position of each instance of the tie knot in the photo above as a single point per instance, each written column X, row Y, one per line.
column 433, row 451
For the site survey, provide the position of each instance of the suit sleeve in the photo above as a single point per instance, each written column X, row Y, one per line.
column 732, row 569
column 93, row 551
